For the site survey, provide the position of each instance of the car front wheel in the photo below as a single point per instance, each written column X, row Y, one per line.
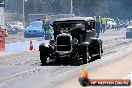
column 85, row 56
column 43, row 57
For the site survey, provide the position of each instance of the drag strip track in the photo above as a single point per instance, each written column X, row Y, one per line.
column 116, row 45
column 35, row 57
column 18, row 57
column 25, row 57
column 27, row 68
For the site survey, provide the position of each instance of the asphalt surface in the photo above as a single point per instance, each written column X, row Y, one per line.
column 24, row 70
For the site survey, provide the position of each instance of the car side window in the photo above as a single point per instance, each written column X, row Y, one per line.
column 93, row 24
column 89, row 25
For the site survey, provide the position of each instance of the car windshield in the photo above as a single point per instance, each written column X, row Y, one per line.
column 36, row 24
column 70, row 25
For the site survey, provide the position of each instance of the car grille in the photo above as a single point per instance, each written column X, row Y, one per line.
column 63, row 43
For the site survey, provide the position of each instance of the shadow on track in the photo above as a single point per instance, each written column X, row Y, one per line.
column 65, row 63
column 62, row 63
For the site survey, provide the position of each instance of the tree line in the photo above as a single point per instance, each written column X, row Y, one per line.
column 108, row 8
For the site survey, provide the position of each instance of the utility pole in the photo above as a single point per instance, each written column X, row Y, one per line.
column 23, row 16
column 71, row 7
column 24, row 12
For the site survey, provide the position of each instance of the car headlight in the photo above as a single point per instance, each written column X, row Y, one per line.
column 74, row 41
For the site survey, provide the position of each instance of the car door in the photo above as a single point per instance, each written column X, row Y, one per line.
column 90, row 30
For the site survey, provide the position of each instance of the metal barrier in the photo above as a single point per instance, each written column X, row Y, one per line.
column 2, row 39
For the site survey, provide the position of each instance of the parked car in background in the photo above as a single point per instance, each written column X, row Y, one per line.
column 129, row 32
column 122, row 24
column 20, row 25
column 34, row 30
column 126, row 23
column 111, row 24
column 130, row 23
column 10, row 29
column 16, row 25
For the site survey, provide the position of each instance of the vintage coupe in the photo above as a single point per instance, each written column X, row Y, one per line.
column 74, row 38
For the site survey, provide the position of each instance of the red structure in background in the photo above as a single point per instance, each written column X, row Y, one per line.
column 2, row 39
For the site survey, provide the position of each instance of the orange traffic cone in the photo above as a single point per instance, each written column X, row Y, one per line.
column 31, row 45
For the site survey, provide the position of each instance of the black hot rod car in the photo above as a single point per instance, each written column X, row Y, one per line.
column 74, row 38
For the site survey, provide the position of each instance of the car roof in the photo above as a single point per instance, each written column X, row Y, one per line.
column 36, row 22
column 75, row 18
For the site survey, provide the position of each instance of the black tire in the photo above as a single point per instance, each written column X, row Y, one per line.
column 99, row 54
column 85, row 56
column 96, row 48
column 43, row 57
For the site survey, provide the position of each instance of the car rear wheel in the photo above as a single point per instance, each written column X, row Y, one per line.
column 99, row 54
